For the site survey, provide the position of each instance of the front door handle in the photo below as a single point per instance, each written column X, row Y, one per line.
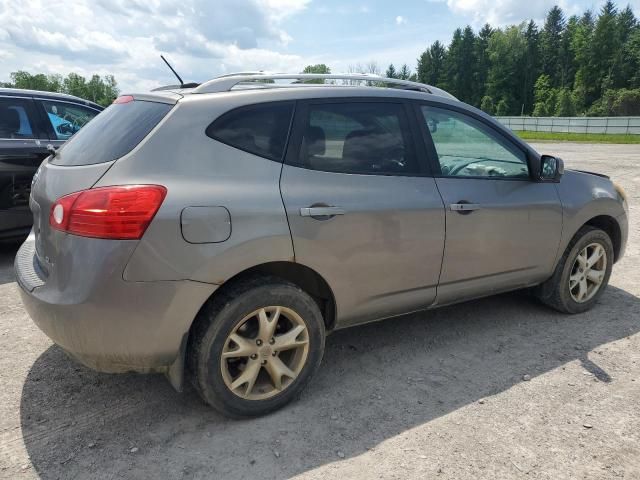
column 321, row 211
column 464, row 208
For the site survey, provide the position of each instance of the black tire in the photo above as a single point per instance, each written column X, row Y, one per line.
column 555, row 291
column 217, row 320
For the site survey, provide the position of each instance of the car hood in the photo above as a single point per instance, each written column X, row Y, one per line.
column 590, row 173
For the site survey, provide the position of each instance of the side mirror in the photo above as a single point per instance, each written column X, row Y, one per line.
column 551, row 168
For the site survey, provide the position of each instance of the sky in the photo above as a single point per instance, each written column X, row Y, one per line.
column 206, row 38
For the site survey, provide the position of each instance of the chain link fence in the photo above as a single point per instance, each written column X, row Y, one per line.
column 607, row 125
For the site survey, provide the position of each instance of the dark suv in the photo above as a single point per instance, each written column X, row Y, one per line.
column 30, row 121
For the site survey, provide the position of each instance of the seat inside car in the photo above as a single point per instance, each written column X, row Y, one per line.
column 356, row 151
column 314, row 144
column 9, row 122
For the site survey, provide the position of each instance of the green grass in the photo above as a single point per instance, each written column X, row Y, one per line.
column 580, row 137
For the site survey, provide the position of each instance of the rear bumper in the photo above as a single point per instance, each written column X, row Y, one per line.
column 103, row 321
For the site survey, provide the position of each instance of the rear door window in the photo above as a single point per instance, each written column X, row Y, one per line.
column 67, row 118
column 370, row 138
column 112, row 134
column 260, row 129
column 17, row 119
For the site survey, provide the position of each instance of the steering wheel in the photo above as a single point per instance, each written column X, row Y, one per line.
column 72, row 121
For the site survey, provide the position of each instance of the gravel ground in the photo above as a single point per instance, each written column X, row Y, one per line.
column 497, row 388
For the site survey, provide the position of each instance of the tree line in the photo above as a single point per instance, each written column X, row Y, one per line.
column 583, row 65
column 101, row 90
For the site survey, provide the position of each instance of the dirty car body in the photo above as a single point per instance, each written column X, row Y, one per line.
column 416, row 227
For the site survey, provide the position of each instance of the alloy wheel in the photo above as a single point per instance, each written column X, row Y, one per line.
column 265, row 353
column 588, row 272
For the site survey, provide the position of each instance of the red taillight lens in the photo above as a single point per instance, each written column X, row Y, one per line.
column 121, row 212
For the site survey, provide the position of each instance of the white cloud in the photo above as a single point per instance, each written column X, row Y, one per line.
column 501, row 12
column 400, row 20
column 342, row 9
column 125, row 37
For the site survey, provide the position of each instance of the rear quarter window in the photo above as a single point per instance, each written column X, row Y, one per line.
column 259, row 129
column 112, row 134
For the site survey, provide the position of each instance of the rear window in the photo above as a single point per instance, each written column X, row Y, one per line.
column 259, row 129
column 112, row 134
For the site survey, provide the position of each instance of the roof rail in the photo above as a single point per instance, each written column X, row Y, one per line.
column 227, row 82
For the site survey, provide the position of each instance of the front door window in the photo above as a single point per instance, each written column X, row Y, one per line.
column 67, row 118
column 466, row 148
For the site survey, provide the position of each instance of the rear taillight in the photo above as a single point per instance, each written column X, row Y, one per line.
column 119, row 212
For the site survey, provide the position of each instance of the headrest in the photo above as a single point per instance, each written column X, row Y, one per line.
column 9, row 120
column 315, row 141
column 357, row 145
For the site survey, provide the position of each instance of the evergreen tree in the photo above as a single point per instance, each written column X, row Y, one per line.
column 566, row 59
column 450, row 74
column 531, row 65
column 467, row 64
column 634, row 54
column 624, row 64
column 605, row 44
column 460, row 65
column 551, row 44
column 431, row 64
column 391, row 72
column 482, row 64
column 584, row 84
column 405, row 73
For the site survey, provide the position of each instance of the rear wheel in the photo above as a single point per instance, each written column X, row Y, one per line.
column 256, row 346
column 582, row 273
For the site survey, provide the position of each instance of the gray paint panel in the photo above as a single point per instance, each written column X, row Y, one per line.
column 383, row 256
column 200, row 171
column 511, row 240
column 585, row 196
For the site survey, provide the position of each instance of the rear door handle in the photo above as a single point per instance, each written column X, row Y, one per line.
column 464, row 207
column 321, row 211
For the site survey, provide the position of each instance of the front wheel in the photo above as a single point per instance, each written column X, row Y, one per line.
column 582, row 273
column 256, row 347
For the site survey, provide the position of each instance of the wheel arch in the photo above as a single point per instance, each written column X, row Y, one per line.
column 610, row 226
column 304, row 277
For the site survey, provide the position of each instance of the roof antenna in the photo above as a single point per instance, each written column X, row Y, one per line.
column 174, row 72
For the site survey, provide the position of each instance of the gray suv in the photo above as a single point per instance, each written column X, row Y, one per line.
column 219, row 233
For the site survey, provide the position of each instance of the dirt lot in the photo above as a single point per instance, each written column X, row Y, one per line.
column 436, row 395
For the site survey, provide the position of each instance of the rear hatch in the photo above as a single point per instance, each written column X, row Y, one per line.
column 85, row 158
